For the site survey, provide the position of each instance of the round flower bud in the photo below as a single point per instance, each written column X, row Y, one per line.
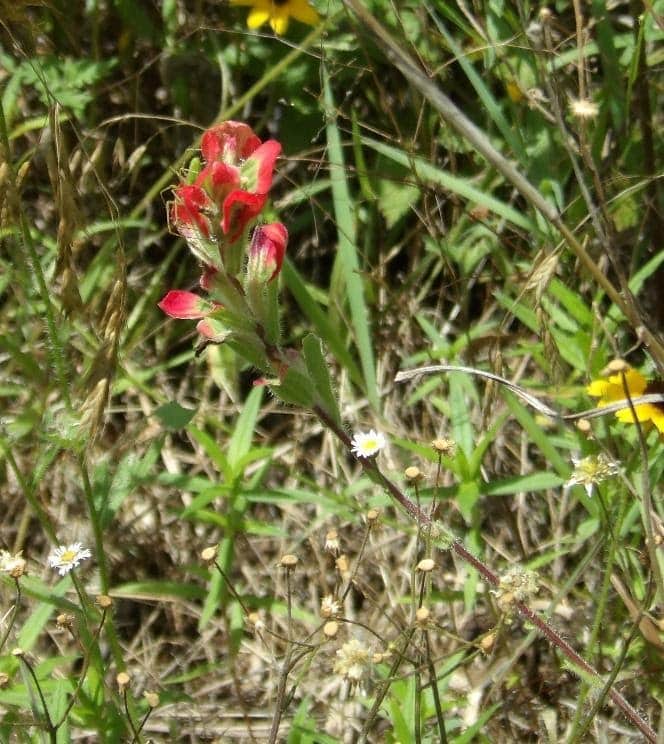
column 372, row 515
column 123, row 680
column 422, row 615
column 616, row 366
column 288, row 561
column 413, row 473
column 104, row 601
column 426, row 565
column 209, row 555
column 331, row 629
column 151, row 698
column 584, row 426
column 444, row 446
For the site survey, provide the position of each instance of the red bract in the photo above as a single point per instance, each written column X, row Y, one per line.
column 229, row 141
column 266, row 253
column 189, row 306
column 189, row 213
column 185, row 305
column 240, row 208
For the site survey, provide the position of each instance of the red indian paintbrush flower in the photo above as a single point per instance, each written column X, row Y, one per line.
column 228, row 193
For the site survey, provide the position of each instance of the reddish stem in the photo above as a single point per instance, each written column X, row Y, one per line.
column 371, row 468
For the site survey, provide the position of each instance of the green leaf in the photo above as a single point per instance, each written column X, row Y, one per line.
column 244, row 429
column 319, row 372
column 347, row 262
column 531, row 482
column 174, row 416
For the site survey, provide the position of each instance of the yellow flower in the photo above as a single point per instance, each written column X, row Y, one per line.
column 278, row 13
column 611, row 390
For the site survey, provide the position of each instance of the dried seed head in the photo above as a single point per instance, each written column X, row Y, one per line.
column 63, row 620
column 372, row 516
column 288, row 561
column 545, row 14
column 151, row 698
column 353, row 661
column 422, row 615
column 14, row 565
column 426, row 565
column 342, row 564
column 209, row 555
column 104, row 601
column 444, row 446
column 332, row 542
column 330, row 607
column 516, row 585
column 4, row 680
column 255, row 619
column 413, row 473
column 18, row 652
column 487, row 642
column 331, row 629
column 122, row 680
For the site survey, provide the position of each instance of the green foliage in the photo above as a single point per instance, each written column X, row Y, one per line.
column 407, row 248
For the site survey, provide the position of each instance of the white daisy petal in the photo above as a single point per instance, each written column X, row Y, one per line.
column 66, row 557
column 367, row 444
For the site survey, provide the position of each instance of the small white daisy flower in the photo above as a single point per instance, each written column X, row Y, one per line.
column 592, row 470
column 66, row 557
column 368, row 444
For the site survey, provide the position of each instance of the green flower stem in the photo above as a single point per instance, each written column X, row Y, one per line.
column 422, row 518
column 100, row 554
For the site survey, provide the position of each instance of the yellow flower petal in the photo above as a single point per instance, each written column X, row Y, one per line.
column 597, row 388
column 257, row 17
column 279, row 19
column 303, row 12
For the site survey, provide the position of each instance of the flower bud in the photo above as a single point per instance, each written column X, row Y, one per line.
column 266, row 253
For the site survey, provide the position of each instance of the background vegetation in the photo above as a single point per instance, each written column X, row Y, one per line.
column 406, row 248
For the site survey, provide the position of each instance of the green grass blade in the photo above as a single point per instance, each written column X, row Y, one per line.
column 425, row 171
column 347, row 263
